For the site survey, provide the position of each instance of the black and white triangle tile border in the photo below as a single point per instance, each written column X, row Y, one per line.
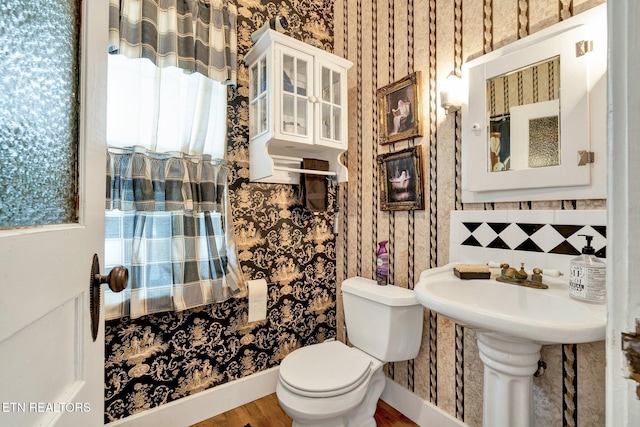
column 566, row 234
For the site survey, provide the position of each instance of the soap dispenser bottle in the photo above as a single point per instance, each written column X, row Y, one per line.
column 382, row 264
column 587, row 276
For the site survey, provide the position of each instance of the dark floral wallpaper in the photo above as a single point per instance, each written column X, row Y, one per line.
column 159, row 358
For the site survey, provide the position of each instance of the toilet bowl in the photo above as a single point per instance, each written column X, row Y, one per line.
column 334, row 385
column 330, row 384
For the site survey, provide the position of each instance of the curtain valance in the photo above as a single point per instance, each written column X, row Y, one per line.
column 195, row 35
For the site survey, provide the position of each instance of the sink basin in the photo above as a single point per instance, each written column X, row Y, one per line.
column 545, row 316
column 512, row 323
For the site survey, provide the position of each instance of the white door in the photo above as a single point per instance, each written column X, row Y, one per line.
column 623, row 269
column 51, row 370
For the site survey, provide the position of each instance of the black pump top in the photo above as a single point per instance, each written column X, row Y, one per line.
column 588, row 250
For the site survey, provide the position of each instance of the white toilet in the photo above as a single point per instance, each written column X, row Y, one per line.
column 332, row 384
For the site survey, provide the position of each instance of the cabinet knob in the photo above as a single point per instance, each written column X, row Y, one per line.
column 314, row 99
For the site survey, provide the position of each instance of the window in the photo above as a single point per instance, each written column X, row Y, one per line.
column 165, row 109
column 168, row 217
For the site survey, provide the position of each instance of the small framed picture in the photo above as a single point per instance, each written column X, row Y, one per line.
column 400, row 110
column 401, row 180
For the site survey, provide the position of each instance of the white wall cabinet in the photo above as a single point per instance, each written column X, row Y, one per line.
column 297, row 108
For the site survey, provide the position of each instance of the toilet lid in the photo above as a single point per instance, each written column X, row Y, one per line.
column 323, row 370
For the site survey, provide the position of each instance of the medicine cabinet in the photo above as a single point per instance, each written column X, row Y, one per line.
column 534, row 122
column 297, row 108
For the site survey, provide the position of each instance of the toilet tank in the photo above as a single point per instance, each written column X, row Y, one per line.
column 383, row 321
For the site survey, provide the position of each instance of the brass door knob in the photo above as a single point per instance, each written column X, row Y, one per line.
column 117, row 279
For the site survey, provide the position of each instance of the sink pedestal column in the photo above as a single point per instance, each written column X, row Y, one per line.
column 509, row 365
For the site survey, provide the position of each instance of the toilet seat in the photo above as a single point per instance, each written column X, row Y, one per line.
column 324, row 370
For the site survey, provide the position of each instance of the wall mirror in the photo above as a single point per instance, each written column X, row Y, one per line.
column 534, row 122
column 535, row 139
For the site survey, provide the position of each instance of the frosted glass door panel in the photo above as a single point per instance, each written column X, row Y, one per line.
column 38, row 112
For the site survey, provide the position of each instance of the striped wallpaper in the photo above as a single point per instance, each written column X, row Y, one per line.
column 387, row 40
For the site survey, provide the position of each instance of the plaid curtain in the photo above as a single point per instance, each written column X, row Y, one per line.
column 195, row 35
column 168, row 221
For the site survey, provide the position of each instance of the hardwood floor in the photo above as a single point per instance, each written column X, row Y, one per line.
column 266, row 412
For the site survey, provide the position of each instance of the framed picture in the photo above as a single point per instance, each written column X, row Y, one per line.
column 400, row 111
column 401, row 180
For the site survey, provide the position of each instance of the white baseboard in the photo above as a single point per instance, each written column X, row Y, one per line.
column 417, row 409
column 209, row 403
column 214, row 401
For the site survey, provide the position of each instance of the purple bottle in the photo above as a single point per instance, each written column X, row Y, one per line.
column 382, row 264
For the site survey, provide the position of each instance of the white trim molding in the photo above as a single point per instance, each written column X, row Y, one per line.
column 623, row 296
column 209, row 403
column 417, row 409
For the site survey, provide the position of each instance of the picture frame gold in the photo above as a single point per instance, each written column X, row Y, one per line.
column 401, row 183
column 400, row 109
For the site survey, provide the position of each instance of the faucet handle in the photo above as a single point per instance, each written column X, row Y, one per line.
column 537, row 275
column 552, row 272
column 504, row 268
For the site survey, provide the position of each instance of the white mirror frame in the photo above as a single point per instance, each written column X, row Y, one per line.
column 582, row 115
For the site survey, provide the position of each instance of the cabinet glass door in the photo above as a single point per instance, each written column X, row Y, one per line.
column 331, row 105
column 295, row 102
column 258, row 98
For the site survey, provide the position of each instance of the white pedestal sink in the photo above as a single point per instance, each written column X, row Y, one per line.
column 512, row 323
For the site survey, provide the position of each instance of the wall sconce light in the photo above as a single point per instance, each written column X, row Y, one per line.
column 450, row 96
